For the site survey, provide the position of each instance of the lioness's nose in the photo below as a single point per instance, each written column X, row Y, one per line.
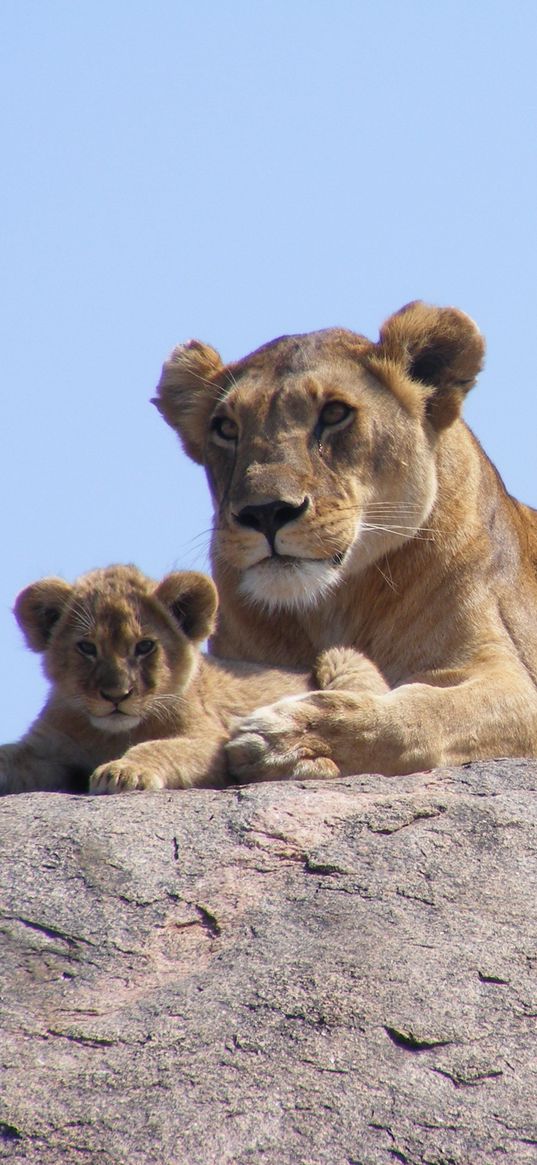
column 269, row 517
column 115, row 695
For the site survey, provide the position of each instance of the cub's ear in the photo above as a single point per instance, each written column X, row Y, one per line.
column 439, row 347
column 192, row 599
column 39, row 607
column 187, row 394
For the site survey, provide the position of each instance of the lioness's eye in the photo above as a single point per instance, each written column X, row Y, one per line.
column 224, row 428
column 87, row 648
column 334, row 413
column 145, row 647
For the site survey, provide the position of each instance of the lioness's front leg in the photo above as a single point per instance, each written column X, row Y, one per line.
column 177, row 763
column 417, row 726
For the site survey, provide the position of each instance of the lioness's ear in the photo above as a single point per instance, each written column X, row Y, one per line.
column 39, row 607
column 192, row 599
column 441, row 348
column 186, row 394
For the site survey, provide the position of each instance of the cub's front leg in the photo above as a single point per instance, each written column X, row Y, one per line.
column 177, row 763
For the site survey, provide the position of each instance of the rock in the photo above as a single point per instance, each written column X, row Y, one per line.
column 337, row 973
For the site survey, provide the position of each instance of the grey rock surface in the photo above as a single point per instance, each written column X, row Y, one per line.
column 338, row 973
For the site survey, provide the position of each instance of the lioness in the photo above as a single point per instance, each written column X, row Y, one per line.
column 353, row 506
column 133, row 704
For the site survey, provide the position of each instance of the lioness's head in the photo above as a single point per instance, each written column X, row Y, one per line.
column 115, row 644
column 319, row 449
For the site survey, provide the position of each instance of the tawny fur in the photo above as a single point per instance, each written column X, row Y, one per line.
column 398, row 539
column 133, row 703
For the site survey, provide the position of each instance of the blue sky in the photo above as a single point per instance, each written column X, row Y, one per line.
column 232, row 172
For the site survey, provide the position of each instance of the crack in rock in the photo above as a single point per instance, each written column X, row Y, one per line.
column 413, row 1043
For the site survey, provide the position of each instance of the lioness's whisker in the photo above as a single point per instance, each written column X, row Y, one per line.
column 387, row 577
column 331, row 526
column 204, row 536
column 400, row 531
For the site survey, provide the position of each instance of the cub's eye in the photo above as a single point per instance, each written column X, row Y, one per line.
column 224, row 428
column 87, row 648
column 334, row 413
column 145, row 647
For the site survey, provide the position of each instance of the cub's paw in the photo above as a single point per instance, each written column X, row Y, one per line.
column 122, row 776
column 277, row 743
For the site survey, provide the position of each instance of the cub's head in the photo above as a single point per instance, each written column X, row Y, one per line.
column 320, row 449
column 117, row 646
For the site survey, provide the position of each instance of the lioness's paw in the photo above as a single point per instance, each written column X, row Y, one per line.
column 122, row 776
column 344, row 669
column 274, row 744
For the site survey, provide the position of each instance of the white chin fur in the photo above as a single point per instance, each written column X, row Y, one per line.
column 115, row 723
column 298, row 584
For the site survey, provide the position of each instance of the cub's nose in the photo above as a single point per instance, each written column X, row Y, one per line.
column 269, row 517
column 115, row 695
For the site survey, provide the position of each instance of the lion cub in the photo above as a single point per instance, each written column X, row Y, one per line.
column 133, row 703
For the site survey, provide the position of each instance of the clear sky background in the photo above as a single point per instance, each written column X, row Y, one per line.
column 233, row 171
